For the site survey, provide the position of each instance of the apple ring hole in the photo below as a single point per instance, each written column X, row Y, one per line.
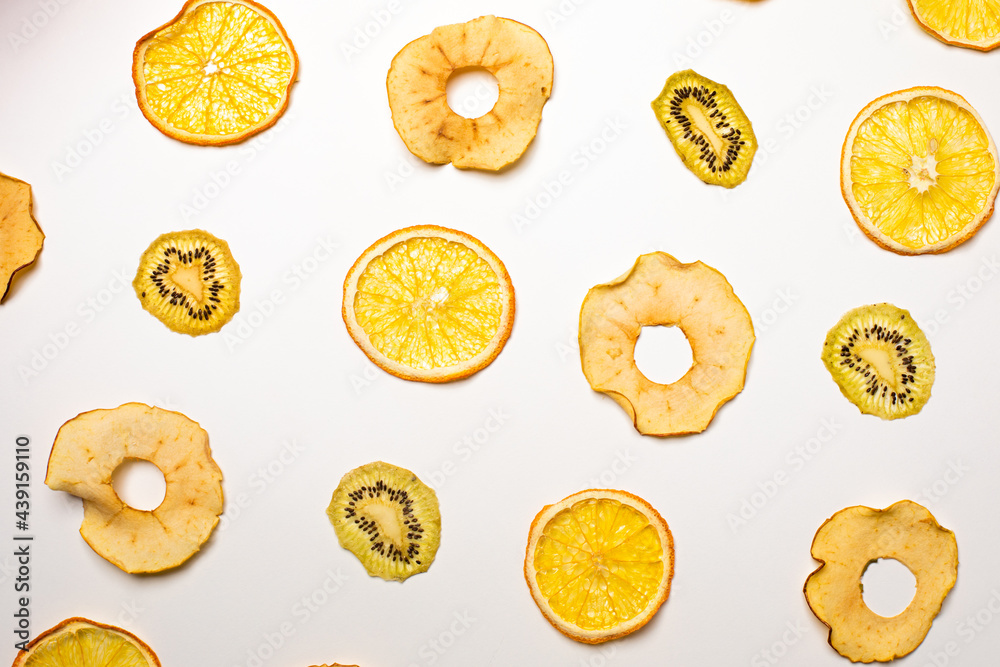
column 472, row 91
column 662, row 353
column 139, row 484
column 888, row 587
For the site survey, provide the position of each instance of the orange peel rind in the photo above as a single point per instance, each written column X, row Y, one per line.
column 89, row 643
column 88, row 449
column 515, row 54
column 20, row 236
column 852, row 539
column 599, row 564
column 216, row 74
column 659, row 290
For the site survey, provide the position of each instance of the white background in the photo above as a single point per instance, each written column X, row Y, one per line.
column 294, row 382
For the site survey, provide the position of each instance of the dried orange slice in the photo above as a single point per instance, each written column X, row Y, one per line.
column 429, row 303
column 919, row 170
column 971, row 23
column 78, row 642
column 219, row 72
column 20, row 236
column 599, row 564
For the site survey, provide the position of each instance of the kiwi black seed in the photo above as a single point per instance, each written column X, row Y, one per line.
column 707, row 127
column 881, row 360
column 189, row 281
column 388, row 518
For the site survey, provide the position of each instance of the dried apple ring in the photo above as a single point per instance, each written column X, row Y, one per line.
column 88, row 449
column 659, row 290
column 20, row 236
column 515, row 54
column 846, row 544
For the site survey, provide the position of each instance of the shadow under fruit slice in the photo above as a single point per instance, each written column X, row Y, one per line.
column 512, row 52
column 20, row 236
column 974, row 24
column 219, row 72
column 659, row 290
column 388, row 518
column 881, row 361
column 707, row 127
column 919, row 171
column 85, row 454
column 189, row 281
column 79, row 642
column 428, row 303
column 852, row 539
column 599, row 564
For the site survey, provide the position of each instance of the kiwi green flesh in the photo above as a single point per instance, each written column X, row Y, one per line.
column 189, row 281
column 388, row 519
column 881, row 361
column 707, row 128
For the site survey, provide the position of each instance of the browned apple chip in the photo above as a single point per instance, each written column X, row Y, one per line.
column 88, row 449
column 659, row 290
column 20, row 236
column 846, row 544
column 513, row 53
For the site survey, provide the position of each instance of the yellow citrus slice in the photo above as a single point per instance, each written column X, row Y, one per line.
column 971, row 23
column 919, row 171
column 216, row 74
column 78, row 642
column 429, row 303
column 599, row 564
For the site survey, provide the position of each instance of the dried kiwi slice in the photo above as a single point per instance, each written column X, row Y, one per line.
column 881, row 360
column 707, row 128
column 189, row 281
column 388, row 518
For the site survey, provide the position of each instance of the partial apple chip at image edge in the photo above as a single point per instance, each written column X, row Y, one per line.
column 20, row 236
